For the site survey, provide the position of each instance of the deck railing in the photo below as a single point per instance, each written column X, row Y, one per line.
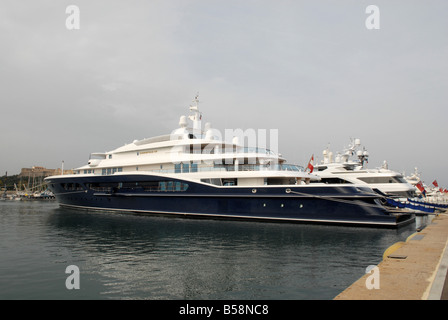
column 232, row 167
column 191, row 168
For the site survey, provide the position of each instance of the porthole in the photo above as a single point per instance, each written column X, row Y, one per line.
column 254, row 190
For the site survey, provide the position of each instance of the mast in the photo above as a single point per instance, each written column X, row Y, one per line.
column 196, row 117
column 6, row 177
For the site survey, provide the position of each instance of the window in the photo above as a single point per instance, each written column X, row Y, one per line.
column 380, row 180
column 103, row 186
column 218, row 182
column 109, row 171
column 333, row 180
column 132, row 187
column 177, row 168
column 172, row 186
column 400, row 179
column 72, row 186
column 229, row 182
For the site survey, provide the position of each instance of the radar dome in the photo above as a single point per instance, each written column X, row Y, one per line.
column 183, row 122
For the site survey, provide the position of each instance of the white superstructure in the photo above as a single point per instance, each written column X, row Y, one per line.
column 198, row 154
column 344, row 169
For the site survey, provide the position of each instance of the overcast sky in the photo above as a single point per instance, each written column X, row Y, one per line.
column 310, row 69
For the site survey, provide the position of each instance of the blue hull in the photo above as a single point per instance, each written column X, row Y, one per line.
column 149, row 194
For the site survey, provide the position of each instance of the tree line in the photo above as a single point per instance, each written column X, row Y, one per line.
column 9, row 181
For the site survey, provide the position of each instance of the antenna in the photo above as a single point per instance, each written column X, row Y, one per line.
column 197, row 116
column 196, row 101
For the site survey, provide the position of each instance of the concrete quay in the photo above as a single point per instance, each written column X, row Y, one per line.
column 412, row 270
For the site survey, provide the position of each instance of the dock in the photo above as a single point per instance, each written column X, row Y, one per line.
column 415, row 269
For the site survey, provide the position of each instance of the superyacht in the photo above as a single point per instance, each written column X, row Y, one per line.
column 194, row 172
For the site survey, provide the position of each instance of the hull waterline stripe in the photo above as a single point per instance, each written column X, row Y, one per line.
column 236, row 216
column 173, row 194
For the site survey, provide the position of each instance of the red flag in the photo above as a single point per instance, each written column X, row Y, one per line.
column 421, row 188
column 435, row 183
column 310, row 164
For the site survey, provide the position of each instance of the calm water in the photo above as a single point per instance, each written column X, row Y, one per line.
column 122, row 256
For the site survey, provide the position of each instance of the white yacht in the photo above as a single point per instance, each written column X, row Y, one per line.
column 414, row 178
column 194, row 172
column 350, row 167
column 427, row 195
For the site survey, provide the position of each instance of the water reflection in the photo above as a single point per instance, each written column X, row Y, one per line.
column 146, row 257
